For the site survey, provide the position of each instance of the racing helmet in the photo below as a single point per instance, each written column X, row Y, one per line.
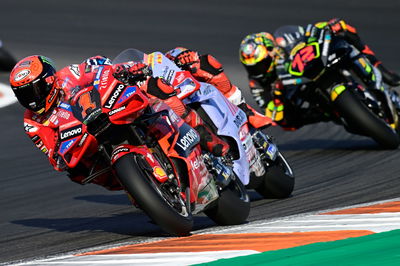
column 32, row 81
column 257, row 53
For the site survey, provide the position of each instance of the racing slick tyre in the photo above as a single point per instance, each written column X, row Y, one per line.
column 362, row 120
column 165, row 208
column 233, row 205
column 278, row 181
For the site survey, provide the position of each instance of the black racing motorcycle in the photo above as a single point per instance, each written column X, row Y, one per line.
column 322, row 84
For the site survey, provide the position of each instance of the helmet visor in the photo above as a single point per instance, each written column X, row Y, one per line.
column 33, row 95
column 260, row 68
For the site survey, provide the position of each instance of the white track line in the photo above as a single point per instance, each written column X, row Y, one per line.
column 315, row 221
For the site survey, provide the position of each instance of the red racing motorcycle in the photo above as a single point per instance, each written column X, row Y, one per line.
column 115, row 131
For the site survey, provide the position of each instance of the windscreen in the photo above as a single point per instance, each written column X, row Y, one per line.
column 130, row 54
column 288, row 36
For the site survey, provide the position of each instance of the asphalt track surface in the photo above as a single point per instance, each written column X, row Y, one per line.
column 43, row 213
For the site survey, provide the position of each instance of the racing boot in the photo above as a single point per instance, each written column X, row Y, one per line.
column 208, row 140
column 255, row 119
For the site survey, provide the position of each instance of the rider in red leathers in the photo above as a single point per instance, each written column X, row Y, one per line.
column 40, row 89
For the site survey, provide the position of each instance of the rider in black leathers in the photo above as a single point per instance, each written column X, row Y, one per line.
column 266, row 58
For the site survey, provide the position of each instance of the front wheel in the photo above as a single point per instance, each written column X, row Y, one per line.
column 163, row 204
column 362, row 120
column 278, row 181
column 232, row 206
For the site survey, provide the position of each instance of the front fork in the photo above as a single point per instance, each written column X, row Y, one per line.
column 253, row 154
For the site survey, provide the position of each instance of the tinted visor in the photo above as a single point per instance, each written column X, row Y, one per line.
column 260, row 68
column 33, row 95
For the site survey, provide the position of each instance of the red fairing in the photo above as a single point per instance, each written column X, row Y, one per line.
column 130, row 103
column 44, row 137
column 125, row 149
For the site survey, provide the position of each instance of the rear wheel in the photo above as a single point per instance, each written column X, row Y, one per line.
column 278, row 181
column 232, row 206
column 163, row 203
column 362, row 120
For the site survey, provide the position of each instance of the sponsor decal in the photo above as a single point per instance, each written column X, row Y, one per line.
column 113, row 112
column 65, row 146
column 65, row 106
column 197, row 162
column 21, row 75
column 35, row 139
column 150, row 157
column 188, row 139
column 53, row 93
column 84, row 137
column 65, row 83
column 118, row 151
column 29, row 128
column 167, row 74
column 63, row 114
column 127, row 93
column 240, row 118
column 207, row 89
column 159, row 173
column 75, row 71
column 271, row 151
column 180, row 77
column 25, row 63
column 71, row 132
column 53, row 119
column 159, row 58
column 39, row 144
column 93, row 115
column 104, row 79
column 96, row 81
column 44, row 150
column 114, row 96
column 173, row 116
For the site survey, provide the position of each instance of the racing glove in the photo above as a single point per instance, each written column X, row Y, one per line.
column 188, row 60
column 132, row 74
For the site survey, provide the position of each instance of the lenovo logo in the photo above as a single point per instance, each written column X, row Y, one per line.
column 114, row 96
column 70, row 133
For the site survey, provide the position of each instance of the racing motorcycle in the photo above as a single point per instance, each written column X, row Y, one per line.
column 256, row 159
column 142, row 144
column 322, row 86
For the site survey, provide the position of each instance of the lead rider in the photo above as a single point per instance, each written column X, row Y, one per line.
column 41, row 89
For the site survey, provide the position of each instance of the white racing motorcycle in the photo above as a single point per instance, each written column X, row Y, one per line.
column 256, row 159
